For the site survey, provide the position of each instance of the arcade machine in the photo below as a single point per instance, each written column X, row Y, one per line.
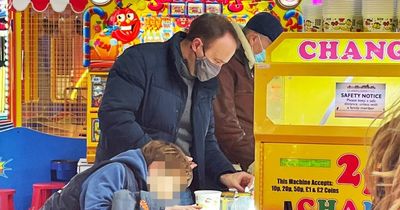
column 318, row 102
column 106, row 36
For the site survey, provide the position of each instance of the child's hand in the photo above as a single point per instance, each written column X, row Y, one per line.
column 192, row 207
column 192, row 164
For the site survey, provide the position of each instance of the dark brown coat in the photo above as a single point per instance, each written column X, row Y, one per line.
column 233, row 109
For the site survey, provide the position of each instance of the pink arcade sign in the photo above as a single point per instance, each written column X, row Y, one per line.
column 365, row 48
column 350, row 50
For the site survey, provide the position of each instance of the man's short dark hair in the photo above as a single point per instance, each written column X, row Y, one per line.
column 209, row 27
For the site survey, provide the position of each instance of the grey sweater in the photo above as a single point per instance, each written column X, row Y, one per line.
column 184, row 136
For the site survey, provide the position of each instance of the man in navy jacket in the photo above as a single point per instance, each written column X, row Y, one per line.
column 165, row 91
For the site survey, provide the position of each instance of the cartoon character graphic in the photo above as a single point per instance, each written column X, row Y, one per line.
column 315, row 29
column 308, row 25
column 98, row 86
column 95, row 130
column 368, row 22
column 112, row 34
column 335, row 25
column 326, row 26
column 3, row 168
column 125, row 23
column 347, row 25
column 388, row 26
column 183, row 22
column 376, row 25
column 97, row 95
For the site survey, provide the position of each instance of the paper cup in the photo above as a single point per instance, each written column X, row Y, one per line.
column 378, row 7
column 208, row 199
column 312, row 17
column 313, row 24
column 358, row 24
column 244, row 202
column 331, row 7
column 338, row 23
column 379, row 24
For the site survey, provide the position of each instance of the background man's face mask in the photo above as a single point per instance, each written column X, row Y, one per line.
column 260, row 57
column 205, row 69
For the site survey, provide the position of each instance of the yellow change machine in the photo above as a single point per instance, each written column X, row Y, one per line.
column 318, row 101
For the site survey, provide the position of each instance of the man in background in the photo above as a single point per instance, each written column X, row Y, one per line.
column 234, row 105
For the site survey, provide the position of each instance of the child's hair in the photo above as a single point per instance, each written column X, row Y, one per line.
column 382, row 170
column 171, row 154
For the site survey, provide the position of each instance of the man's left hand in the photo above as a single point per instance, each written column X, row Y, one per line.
column 238, row 180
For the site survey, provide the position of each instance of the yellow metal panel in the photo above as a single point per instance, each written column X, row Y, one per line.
column 308, row 172
column 18, row 63
column 92, row 136
column 93, row 130
column 27, row 42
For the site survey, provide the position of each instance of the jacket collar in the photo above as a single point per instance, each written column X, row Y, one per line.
column 176, row 54
column 244, row 54
column 245, row 46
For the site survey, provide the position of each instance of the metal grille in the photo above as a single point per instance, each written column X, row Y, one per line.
column 54, row 89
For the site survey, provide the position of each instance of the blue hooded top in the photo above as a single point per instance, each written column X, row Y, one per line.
column 99, row 187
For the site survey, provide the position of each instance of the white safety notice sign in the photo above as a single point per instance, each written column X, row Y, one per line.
column 360, row 100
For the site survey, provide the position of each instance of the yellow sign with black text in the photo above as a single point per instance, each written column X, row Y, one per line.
column 314, row 177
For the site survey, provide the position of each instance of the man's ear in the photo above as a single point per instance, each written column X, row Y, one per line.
column 252, row 38
column 196, row 44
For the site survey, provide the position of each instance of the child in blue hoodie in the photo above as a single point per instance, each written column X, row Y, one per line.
column 161, row 170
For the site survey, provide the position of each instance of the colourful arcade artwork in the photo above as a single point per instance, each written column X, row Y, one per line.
column 112, row 26
column 4, row 168
column 98, row 85
column 95, row 130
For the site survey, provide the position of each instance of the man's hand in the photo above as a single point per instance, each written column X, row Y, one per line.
column 192, row 207
column 238, row 180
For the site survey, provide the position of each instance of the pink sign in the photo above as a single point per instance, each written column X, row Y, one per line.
column 329, row 50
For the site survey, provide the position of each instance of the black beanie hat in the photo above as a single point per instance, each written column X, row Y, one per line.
column 266, row 24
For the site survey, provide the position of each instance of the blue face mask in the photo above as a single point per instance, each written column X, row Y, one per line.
column 260, row 57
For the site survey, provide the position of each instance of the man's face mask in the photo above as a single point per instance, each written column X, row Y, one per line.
column 260, row 57
column 205, row 69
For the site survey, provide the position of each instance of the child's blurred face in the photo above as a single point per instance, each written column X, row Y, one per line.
column 165, row 183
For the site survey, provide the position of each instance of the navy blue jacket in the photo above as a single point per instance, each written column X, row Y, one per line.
column 144, row 99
